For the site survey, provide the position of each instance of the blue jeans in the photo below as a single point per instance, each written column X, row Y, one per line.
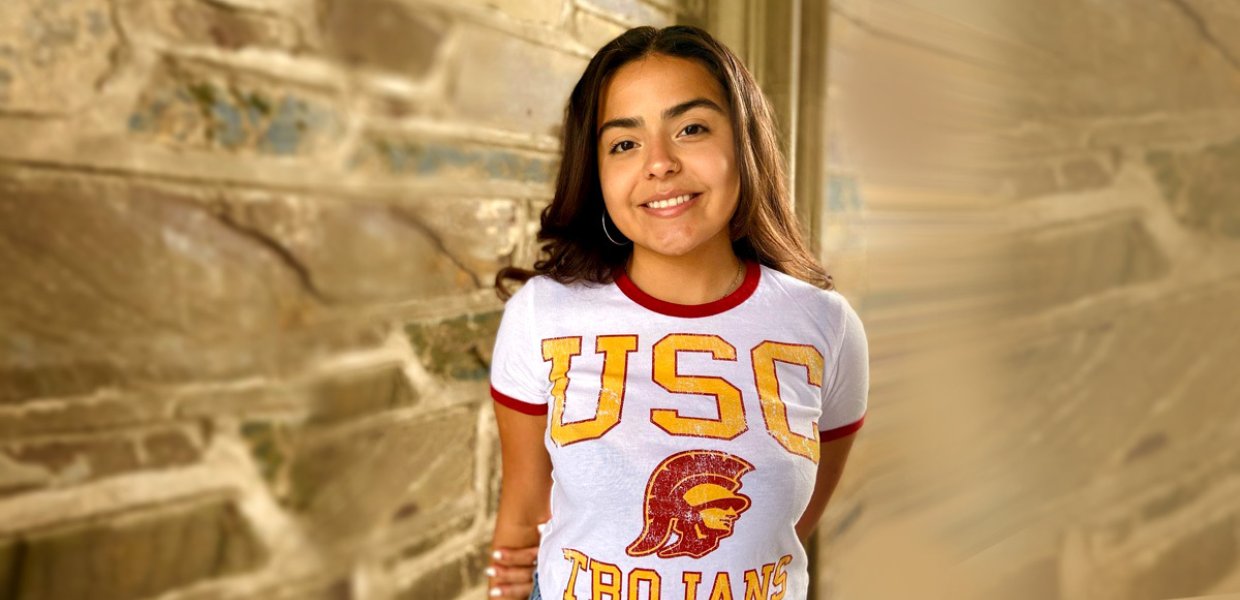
column 535, row 594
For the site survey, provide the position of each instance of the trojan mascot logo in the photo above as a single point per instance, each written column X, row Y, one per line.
column 693, row 494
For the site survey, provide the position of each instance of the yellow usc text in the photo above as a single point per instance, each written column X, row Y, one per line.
column 731, row 422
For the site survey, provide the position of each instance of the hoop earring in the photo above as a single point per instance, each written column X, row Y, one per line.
column 608, row 234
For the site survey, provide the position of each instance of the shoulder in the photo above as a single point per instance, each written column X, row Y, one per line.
column 543, row 289
column 804, row 293
column 826, row 310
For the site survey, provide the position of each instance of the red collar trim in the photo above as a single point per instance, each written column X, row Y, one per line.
column 753, row 272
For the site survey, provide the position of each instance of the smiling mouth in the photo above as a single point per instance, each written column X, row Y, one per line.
column 670, row 202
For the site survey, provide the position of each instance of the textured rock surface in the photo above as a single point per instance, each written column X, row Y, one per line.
column 1051, row 303
column 54, row 55
column 133, row 555
column 247, row 246
column 248, row 249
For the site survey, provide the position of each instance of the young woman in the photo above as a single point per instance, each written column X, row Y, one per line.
column 677, row 355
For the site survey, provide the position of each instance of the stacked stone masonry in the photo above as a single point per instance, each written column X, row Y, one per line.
column 246, row 315
column 248, row 249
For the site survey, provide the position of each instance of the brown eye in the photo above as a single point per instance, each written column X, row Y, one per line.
column 701, row 128
column 615, row 148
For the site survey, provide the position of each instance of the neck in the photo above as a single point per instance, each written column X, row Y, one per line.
column 690, row 279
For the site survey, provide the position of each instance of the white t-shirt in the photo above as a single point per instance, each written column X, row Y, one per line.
column 684, row 439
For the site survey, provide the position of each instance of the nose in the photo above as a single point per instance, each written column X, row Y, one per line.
column 661, row 160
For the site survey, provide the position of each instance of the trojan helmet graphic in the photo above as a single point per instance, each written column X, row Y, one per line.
column 693, row 494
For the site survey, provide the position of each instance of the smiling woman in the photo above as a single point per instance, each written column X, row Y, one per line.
column 667, row 164
column 677, row 385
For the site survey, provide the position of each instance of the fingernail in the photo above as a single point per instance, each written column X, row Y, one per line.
column 494, row 591
column 491, row 571
column 496, row 555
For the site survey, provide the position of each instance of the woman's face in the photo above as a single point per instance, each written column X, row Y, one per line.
column 665, row 137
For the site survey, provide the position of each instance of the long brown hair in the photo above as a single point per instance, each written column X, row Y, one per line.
column 764, row 226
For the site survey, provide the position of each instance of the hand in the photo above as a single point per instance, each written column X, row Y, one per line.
column 512, row 572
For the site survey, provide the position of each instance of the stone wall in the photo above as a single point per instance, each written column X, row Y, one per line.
column 1126, row 218
column 248, row 247
column 1052, row 204
column 246, row 313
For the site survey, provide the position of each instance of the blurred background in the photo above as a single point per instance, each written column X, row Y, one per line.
column 247, row 250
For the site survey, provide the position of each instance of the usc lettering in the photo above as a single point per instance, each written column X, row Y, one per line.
column 765, row 355
column 609, row 582
column 560, row 351
column 731, row 421
column 665, row 372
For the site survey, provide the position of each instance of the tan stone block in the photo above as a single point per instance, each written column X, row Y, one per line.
column 193, row 105
column 450, row 160
column 81, row 458
column 108, row 410
column 357, row 394
column 639, row 12
column 481, row 235
column 492, row 83
column 74, row 461
column 1221, row 18
column 451, row 578
column 1200, row 188
column 171, row 447
column 49, row 49
column 1099, row 60
column 270, row 444
column 349, row 480
column 383, row 34
column 195, row 22
column 135, row 555
column 17, row 477
column 309, row 405
column 1134, row 555
column 1031, row 181
column 421, row 535
column 539, row 11
column 457, row 348
column 1085, row 174
column 1071, row 262
column 356, row 252
column 594, row 31
column 178, row 293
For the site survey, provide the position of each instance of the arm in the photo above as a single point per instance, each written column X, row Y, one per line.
column 845, row 398
column 524, row 500
column 830, row 467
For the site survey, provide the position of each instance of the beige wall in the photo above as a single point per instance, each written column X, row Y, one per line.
column 1051, row 264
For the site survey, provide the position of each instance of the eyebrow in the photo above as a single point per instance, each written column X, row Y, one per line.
column 671, row 113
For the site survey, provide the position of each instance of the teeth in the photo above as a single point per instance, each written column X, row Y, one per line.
column 670, row 201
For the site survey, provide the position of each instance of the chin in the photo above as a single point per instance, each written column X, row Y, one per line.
column 675, row 249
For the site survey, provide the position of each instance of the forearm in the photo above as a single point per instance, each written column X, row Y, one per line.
column 515, row 543
column 813, row 513
column 525, row 479
column 830, row 468
column 515, row 528
column 523, row 506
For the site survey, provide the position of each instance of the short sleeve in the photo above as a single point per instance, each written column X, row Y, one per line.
column 516, row 360
column 846, row 389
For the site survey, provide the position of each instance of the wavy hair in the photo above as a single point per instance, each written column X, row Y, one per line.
column 764, row 226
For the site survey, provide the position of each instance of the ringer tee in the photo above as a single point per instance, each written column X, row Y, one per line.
column 684, row 439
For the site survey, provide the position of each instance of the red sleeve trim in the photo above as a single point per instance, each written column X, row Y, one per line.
column 521, row 406
column 839, row 432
